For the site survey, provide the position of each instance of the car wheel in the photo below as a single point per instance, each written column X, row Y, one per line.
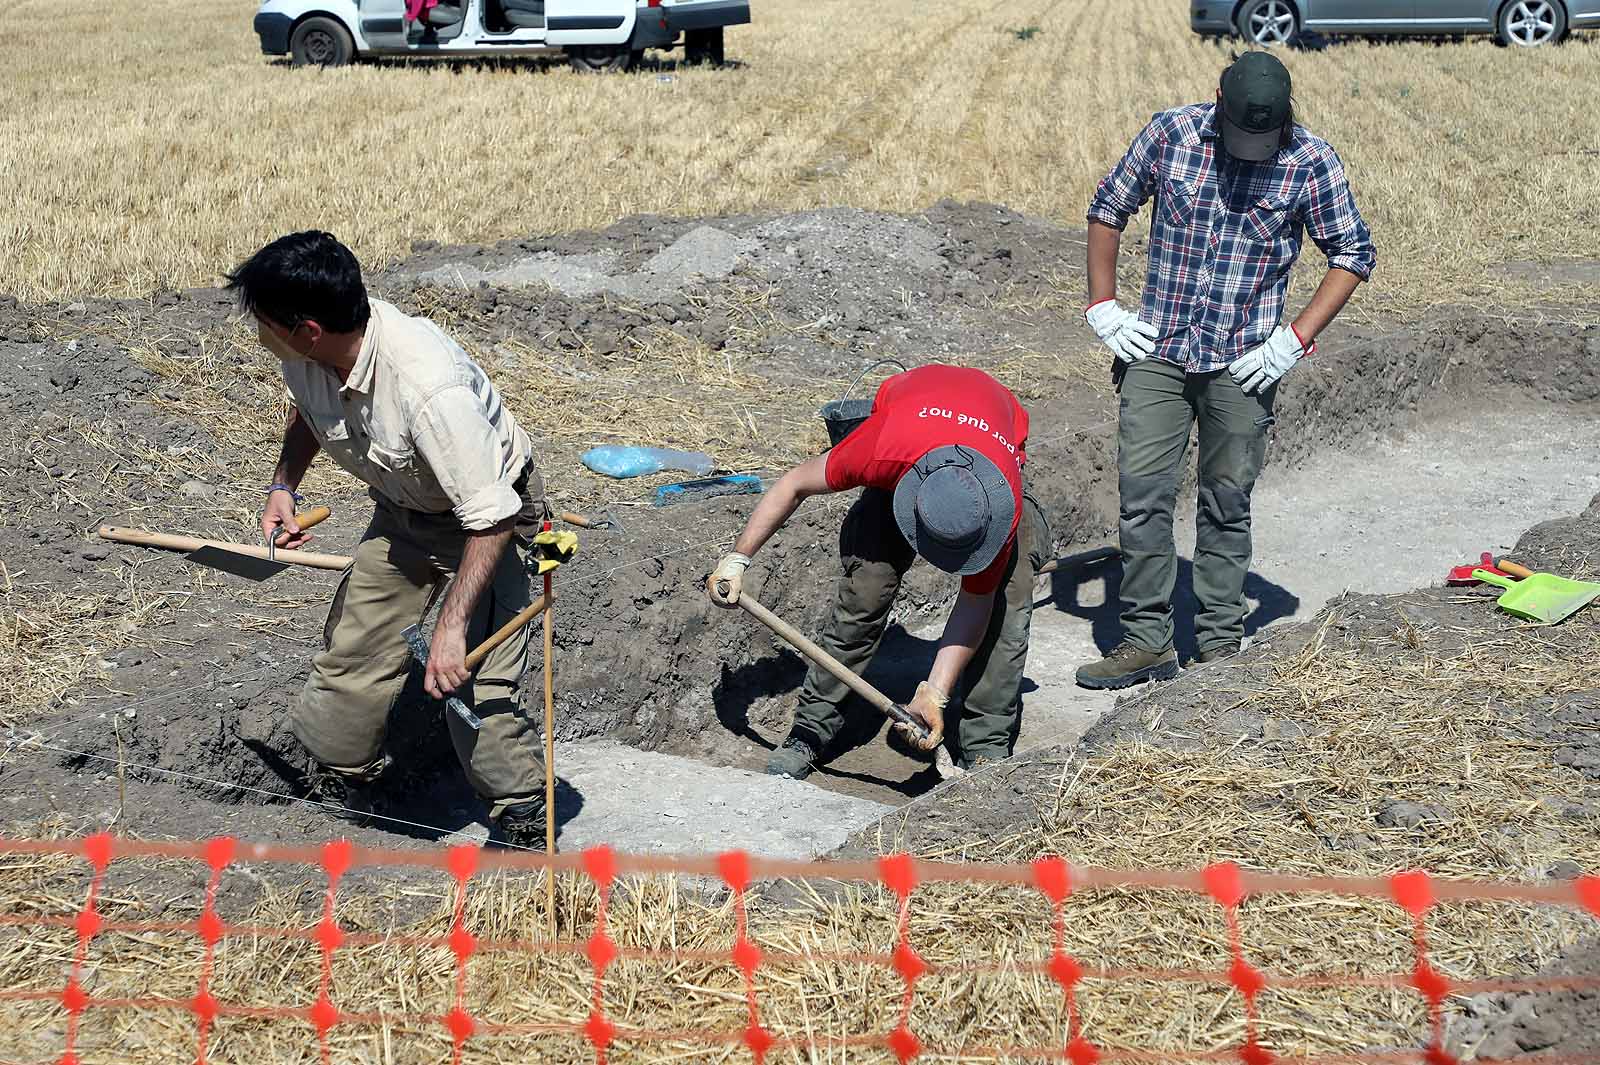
column 600, row 58
column 702, row 47
column 1531, row 23
column 1268, row 22
column 320, row 42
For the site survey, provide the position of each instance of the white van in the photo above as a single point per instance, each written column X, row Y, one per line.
column 596, row 35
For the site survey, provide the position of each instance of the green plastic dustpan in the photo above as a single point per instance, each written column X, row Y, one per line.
column 1542, row 598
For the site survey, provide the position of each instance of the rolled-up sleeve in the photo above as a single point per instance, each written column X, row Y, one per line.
column 456, row 439
column 1333, row 221
column 1131, row 182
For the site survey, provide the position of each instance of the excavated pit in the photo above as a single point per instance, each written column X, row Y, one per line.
column 1396, row 449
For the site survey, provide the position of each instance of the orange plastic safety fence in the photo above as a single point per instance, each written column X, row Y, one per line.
column 1226, row 884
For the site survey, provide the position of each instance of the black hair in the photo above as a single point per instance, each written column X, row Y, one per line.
column 307, row 276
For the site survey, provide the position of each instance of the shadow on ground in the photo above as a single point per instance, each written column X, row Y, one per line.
column 1270, row 602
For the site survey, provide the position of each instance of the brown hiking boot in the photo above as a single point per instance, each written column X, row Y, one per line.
column 349, row 797
column 1217, row 654
column 795, row 759
column 1128, row 665
column 523, row 825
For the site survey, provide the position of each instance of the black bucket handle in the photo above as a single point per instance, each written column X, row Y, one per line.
column 869, row 369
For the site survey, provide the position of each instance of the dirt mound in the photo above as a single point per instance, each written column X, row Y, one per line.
column 1549, row 1022
column 958, row 279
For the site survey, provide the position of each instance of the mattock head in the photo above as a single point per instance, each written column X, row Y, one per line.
column 412, row 634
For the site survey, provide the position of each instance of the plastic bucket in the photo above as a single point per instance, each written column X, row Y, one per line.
column 841, row 416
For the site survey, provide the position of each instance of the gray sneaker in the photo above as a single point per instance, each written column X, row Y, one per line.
column 1129, row 665
column 795, row 759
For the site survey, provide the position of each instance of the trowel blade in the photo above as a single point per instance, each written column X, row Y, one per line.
column 254, row 569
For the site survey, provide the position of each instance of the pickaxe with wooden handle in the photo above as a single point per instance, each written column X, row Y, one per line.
column 893, row 710
column 419, row 650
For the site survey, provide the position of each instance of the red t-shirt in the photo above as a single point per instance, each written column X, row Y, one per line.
column 929, row 407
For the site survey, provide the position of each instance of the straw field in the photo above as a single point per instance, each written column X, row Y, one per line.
column 156, row 146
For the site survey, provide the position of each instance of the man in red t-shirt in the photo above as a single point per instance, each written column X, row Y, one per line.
column 941, row 461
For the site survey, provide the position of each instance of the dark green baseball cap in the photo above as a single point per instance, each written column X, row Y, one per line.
column 1255, row 106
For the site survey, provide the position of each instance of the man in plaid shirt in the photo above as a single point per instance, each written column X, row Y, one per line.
column 1237, row 184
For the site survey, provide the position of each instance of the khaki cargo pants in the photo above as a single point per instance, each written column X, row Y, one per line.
column 875, row 556
column 403, row 565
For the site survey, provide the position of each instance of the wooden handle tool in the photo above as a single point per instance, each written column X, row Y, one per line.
column 608, row 520
column 1505, row 565
column 306, row 519
column 549, row 743
column 475, row 658
column 839, row 670
column 1083, row 558
column 145, row 538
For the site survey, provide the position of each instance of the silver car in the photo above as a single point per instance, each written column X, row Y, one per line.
column 1528, row 23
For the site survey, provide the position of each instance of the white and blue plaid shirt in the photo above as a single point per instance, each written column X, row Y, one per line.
column 1225, row 233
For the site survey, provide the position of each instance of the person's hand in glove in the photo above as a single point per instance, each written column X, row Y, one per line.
column 928, row 706
column 723, row 584
column 1128, row 338
column 1259, row 367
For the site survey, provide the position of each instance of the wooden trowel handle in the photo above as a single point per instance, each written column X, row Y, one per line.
column 306, row 519
column 822, row 658
column 1505, row 565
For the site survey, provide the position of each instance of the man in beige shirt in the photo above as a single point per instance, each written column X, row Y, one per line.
column 400, row 406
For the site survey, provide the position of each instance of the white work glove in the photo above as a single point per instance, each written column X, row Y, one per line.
column 723, row 584
column 1128, row 338
column 1259, row 367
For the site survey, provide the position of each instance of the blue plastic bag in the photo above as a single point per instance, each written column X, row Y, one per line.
column 616, row 460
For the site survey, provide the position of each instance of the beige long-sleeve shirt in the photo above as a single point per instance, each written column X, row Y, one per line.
column 418, row 421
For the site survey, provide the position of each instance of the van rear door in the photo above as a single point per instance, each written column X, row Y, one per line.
column 575, row 22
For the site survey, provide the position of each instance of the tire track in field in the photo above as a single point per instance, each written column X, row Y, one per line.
column 994, row 71
column 852, row 139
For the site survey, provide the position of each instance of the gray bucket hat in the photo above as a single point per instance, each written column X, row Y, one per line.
column 954, row 507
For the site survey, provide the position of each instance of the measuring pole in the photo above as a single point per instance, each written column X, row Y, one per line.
column 549, row 743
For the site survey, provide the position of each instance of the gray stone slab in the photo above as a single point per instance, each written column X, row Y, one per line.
column 644, row 802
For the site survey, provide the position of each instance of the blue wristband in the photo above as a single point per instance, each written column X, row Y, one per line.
column 271, row 488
